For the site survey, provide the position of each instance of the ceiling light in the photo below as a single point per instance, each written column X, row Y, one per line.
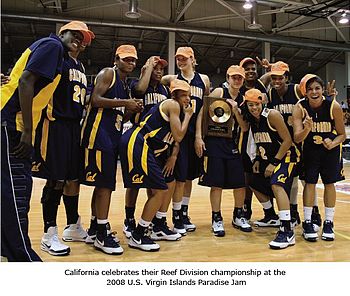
column 247, row 4
column 343, row 19
column 133, row 12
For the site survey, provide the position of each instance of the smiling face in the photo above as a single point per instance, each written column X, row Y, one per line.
column 314, row 91
column 254, row 109
column 182, row 97
column 278, row 81
column 183, row 63
column 72, row 40
column 250, row 71
column 126, row 65
column 157, row 73
column 235, row 81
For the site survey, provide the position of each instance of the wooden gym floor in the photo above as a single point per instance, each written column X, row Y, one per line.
column 201, row 245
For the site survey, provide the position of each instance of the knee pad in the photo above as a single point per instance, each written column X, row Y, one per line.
column 51, row 195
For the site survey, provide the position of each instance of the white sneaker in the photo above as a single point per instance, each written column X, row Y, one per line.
column 109, row 245
column 74, row 233
column 51, row 243
column 145, row 243
column 242, row 224
column 218, row 228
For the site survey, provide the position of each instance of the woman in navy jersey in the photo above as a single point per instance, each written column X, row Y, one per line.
column 274, row 163
column 318, row 123
column 151, row 91
column 188, row 164
column 222, row 161
column 32, row 83
column 144, row 152
column 100, row 136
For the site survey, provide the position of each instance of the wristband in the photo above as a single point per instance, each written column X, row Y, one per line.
column 275, row 161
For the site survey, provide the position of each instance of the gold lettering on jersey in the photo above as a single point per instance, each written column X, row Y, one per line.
column 35, row 166
column 317, row 140
column 90, row 177
column 137, row 179
column 262, row 137
column 196, row 91
column 281, row 178
column 154, row 98
column 121, row 109
column 76, row 75
column 322, row 127
column 284, row 108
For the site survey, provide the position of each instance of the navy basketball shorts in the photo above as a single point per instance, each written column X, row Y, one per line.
column 140, row 167
column 99, row 168
column 222, row 172
column 282, row 176
column 325, row 163
column 57, row 150
column 188, row 165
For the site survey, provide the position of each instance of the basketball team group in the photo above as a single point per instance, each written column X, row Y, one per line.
column 55, row 127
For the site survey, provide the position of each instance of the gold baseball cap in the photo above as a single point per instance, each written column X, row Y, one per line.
column 235, row 70
column 126, row 50
column 279, row 68
column 178, row 84
column 82, row 28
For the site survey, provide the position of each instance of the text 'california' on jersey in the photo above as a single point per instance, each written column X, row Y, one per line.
column 268, row 141
column 197, row 88
column 103, row 127
column 152, row 96
column 68, row 99
column 323, row 123
column 284, row 104
column 225, row 147
column 43, row 58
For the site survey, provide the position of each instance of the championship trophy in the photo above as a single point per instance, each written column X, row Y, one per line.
column 217, row 117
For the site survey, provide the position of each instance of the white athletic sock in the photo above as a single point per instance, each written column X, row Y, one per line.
column 144, row 223
column 177, row 205
column 185, row 200
column 267, row 205
column 329, row 213
column 102, row 221
column 160, row 215
column 307, row 213
column 284, row 215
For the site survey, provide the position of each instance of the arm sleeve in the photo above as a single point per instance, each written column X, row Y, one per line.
column 46, row 60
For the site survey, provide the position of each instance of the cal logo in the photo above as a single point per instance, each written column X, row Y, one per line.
column 90, row 177
column 137, row 179
column 35, row 166
column 281, row 178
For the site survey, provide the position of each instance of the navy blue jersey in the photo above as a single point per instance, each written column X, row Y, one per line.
column 103, row 127
column 323, row 124
column 224, row 147
column 258, row 85
column 284, row 104
column 44, row 58
column 197, row 93
column 152, row 96
column 68, row 99
column 268, row 141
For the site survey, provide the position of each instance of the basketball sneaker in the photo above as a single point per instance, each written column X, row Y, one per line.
column 309, row 232
column 327, row 232
column 189, row 226
column 295, row 217
column 242, row 224
column 128, row 227
column 270, row 219
column 143, row 242
column 283, row 239
column 161, row 231
column 108, row 245
column 179, row 226
column 218, row 228
column 51, row 243
column 316, row 218
column 74, row 233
